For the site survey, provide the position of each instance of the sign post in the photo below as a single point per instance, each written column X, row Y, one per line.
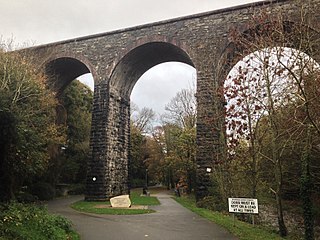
column 243, row 205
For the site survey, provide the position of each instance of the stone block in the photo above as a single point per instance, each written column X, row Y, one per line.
column 122, row 201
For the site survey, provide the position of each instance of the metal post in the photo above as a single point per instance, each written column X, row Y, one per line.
column 147, row 179
column 234, row 220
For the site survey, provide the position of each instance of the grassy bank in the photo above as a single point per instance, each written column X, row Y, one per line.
column 136, row 200
column 31, row 222
column 242, row 230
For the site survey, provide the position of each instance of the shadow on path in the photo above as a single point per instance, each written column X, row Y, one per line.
column 170, row 222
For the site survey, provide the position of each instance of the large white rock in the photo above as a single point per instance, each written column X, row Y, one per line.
column 122, row 201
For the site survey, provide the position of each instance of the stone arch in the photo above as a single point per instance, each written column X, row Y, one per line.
column 140, row 59
column 233, row 52
column 293, row 39
column 294, row 35
column 63, row 69
column 113, row 175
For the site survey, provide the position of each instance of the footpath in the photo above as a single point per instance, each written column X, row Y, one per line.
column 170, row 222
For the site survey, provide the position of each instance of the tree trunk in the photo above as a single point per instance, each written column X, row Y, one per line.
column 189, row 181
column 276, row 156
column 306, row 190
column 282, row 226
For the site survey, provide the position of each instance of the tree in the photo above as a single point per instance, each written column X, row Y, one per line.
column 27, row 111
column 181, row 109
column 183, row 150
column 142, row 119
column 168, row 151
column 138, row 156
column 179, row 130
column 158, row 169
column 140, row 125
column 288, row 79
column 76, row 100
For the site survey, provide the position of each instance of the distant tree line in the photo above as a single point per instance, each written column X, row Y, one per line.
column 165, row 150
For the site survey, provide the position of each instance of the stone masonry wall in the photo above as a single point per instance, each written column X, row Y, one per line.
column 203, row 37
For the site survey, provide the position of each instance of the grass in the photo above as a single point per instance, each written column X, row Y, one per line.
column 136, row 199
column 242, row 230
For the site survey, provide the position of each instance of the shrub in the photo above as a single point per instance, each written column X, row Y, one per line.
column 27, row 221
column 25, row 197
column 44, row 191
column 136, row 183
column 212, row 203
column 77, row 189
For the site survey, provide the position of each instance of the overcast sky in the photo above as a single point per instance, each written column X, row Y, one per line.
column 39, row 21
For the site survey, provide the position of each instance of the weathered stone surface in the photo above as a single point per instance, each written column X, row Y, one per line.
column 122, row 201
column 117, row 59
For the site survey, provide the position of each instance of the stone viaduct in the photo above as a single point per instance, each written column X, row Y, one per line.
column 117, row 59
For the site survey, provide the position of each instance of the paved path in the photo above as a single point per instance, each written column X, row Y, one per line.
column 170, row 222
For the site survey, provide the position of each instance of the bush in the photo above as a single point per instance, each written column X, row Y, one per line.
column 212, row 203
column 25, row 197
column 77, row 189
column 27, row 221
column 136, row 183
column 44, row 191
column 27, row 119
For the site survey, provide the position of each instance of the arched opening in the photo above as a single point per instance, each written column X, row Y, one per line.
column 139, row 60
column 62, row 71
column 161, row 83
column 163, row 107
column 69, row 155
column 87, row 79
column 123, row 79
column 271, row 116
column 266, row 112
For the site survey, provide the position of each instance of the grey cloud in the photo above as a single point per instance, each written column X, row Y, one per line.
column 48, row 21
column 41, row 21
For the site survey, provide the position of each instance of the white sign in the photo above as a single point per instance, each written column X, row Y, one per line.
column 243, row 205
